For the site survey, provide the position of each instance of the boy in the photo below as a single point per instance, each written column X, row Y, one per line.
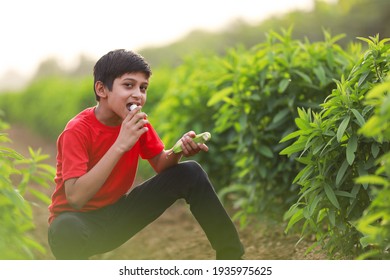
column 92, row 210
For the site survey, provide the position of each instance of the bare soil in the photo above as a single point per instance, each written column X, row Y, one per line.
column 175, row 235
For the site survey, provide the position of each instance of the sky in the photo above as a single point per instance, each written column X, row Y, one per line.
column 34, row 30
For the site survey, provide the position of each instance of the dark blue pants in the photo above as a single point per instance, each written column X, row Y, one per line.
column 79, row 235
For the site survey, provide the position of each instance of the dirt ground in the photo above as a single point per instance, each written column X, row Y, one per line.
column 175, row 235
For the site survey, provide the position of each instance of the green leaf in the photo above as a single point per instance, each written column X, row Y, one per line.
column 378, row 91
column 304, row 173
column 266, row 151
column 345, row 194
column 283, row 84
column 341, row 172
column 342, row 127
column 363, row 78
column 294, row 148
column 365, row 40
column 332, row 217
column 320, row 73
column 374, row 149
column 281, row 115
column 358, row 117
column 373, row 179
column 305, row 77
column 9, row 152
column 291, row 136
column 331, row 196
column 298, row 215
column 41, row 196
column 302, row 124
column 219, row 96
column 365, row 241
column 313, row 204
column 351, row 149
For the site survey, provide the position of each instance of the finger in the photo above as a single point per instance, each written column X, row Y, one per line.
column 203, row 147
column 191, row 148
column 191, row 134
column 142, row 130
column 139, row 117
column 132, row 124
column 189, row 143
column 141, row 123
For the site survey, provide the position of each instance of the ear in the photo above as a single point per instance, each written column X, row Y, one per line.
column 100, row 89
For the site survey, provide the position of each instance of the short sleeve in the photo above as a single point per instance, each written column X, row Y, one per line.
column 74, row 154
column 150, row 144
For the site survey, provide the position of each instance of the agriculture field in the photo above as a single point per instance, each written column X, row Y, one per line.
column 175, row 235
column 300, row 134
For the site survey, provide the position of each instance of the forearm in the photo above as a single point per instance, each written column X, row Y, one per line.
column 165, row 160
column 80, row 190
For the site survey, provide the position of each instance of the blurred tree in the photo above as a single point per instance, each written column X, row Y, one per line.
column 365, row 17
column 84, row 67
column 52, row 67
column 49, row 67
column 354, row 18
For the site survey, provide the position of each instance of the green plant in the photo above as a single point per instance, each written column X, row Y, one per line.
column 256, row 104
column 183, row 107
column 375, row 222
column 16, row 216
column 334, row 154
column 47, row 104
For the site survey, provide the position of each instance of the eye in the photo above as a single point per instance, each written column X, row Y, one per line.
column 144, row 88
column 129, row 85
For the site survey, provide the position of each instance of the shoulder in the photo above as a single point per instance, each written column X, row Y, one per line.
column 82, row 120
column 79, row 126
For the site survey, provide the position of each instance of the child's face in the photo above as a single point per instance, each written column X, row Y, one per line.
column 126, row 90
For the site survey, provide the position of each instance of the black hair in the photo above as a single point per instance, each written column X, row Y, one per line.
column 116, row 63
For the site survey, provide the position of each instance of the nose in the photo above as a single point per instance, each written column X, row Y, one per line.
column 136, row 93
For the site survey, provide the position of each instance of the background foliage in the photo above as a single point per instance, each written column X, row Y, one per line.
column 335, row 154
column 375, row 222
column 16, row 215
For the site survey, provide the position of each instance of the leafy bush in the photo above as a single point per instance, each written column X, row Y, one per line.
column 247, row 100
column 334, row 154
column 16, row 220
column 256, row 104
column 48, row 103
column 184, row 107
column 375, row 222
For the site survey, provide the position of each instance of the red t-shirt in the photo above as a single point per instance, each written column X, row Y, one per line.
column 81, row 145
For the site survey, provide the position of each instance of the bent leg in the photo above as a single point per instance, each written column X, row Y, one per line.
column 80, row 235
column 68, row 237
column 211, row 215
column 189, row 181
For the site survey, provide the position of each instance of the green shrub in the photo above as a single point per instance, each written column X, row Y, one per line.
column 16, row 218
column 334, row 154
column 47, row 104
column 375, row 222
column 184, row 107
column 256, row 105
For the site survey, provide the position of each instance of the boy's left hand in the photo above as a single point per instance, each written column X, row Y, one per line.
column 191, row 148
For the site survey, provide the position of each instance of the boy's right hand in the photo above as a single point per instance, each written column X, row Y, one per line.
column 133, row 126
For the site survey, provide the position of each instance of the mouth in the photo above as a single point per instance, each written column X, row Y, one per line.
column 131, row 106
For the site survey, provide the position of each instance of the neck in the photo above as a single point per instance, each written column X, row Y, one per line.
column 107, row 117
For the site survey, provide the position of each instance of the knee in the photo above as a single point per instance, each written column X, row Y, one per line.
column 64, row 227
column 193, row 169
column 67, row 235
column 195, row 174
